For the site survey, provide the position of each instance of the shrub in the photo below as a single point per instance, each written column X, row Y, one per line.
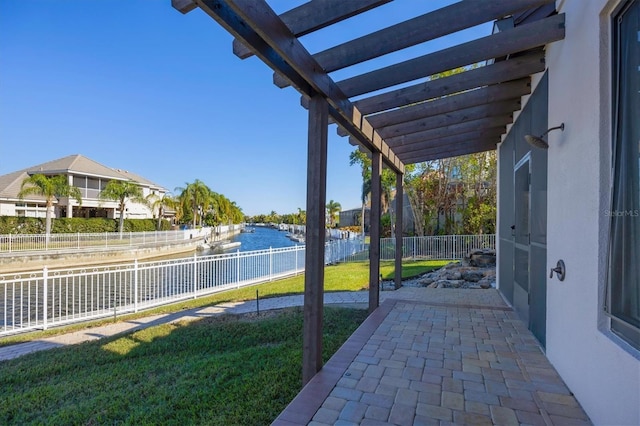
column 21, row 225
column 72, row 225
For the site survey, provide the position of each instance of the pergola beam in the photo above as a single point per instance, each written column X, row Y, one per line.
column 512, row 41
column 481, row 126
column 315, row 238
column 482, row 96
column 483, row 132
column 253, row 22
column 484, row 142
column 468, row 147
column 429, row 26
column 449, row 119
column 374, row 231
column 514, row 68
column 313, row 16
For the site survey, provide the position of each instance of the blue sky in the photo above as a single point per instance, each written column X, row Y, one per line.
column 138, row 86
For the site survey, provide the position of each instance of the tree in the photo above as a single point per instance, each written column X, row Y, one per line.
column 194, row 197
column 50, row 187
column 301, row 216
column 454, row 195
column 387, row 181
column 219, row 209
column 333, row 207
column 479, row 211
column 360, row 158
column 273, row 217
column 160, row 203
column 122, row 191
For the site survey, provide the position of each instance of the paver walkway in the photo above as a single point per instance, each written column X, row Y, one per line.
column 437, row 357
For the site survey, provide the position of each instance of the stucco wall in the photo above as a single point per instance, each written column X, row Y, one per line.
column 7, row 209
column 603, row 372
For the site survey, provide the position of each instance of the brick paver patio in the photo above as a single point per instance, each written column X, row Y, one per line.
column 437, row 357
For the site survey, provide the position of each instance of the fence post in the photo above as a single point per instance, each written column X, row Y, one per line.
column 106, row 239
column 238, row 268
column 135, row 285
column 295, row 266
column 9, row 243
column 130, row 239
column 45, row 296
column 270, row 264
column 195, row 273
column 78, row 241
column 413, row 247
column 455, row 246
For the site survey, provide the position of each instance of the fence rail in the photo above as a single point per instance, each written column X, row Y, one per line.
column 19, row 243
column 44, row 298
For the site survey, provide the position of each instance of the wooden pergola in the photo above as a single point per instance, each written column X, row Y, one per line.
column 425, row 119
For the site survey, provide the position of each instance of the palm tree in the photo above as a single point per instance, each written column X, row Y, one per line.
column 159, row 203
column 360, row 158
column 333, row 207
column 50, row 187
column 196, row 194
column 122, row 191
column 302, row 216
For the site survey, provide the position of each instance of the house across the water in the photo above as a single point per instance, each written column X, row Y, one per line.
column 89, row 176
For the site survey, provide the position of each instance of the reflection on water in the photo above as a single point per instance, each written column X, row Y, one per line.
column 263, row 238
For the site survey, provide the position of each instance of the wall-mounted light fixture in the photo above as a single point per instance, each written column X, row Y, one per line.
column 537, row 141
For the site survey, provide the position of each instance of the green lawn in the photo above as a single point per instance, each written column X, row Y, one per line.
column 218, row 371
column 352, row 276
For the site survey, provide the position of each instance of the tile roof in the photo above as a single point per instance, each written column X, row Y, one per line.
column 73, row 164
column 10, row 186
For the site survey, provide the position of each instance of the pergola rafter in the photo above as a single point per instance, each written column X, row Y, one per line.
column 450, row 118
column 470, row 94
column 500, row 72
column 467, row 128
column 515, row 40
column 482, row 96
column 313, row 16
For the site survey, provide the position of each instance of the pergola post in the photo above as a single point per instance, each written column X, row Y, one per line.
column 374, row 231
column 315, row 237
column 399, row 211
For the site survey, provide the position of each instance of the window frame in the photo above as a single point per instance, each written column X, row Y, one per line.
column 623, row 329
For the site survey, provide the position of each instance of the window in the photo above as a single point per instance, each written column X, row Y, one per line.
column 80, row 181
column 623, row 287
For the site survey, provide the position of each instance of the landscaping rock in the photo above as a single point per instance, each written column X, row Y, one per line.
column 451, row 275
column 458, row 274
column 451, row 265
column 454, row 283
column 473, row 275
column 485, row 283
column 425, row 282
column 482, row 258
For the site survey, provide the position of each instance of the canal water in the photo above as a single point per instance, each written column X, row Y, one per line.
column 263, row 238
column 92, row 293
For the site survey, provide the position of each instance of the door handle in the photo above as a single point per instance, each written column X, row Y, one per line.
column 560, row 270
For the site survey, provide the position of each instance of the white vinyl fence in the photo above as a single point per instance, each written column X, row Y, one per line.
column 19, row 243
column 43, row 298
column 441, row 247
